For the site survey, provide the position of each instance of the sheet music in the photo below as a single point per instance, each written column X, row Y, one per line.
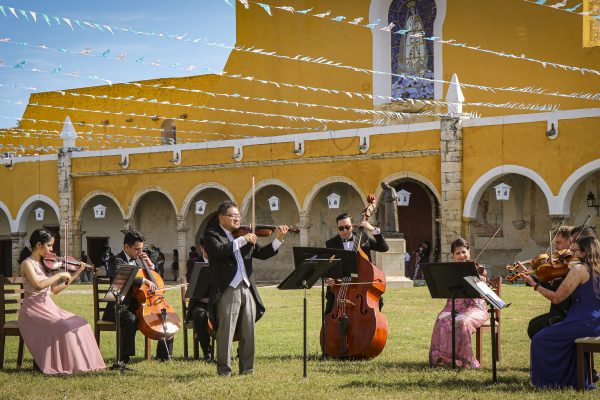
column 485, row 291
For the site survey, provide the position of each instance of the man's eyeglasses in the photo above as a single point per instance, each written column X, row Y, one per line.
column 345, row 228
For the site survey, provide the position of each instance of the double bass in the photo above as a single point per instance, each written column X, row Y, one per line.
column 355, row 328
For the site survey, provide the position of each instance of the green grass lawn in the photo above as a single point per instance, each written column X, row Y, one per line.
column 401, row 371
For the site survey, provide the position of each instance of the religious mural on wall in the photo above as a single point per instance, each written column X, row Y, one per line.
column 412, row 54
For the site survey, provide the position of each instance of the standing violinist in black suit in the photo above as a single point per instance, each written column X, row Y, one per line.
column 346, row 239
column 133, row 247
column 234, row 295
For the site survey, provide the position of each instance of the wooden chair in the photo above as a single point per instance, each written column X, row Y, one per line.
column 586, row 347
column 188, row 325
column 100, row 285
column 11, row 297
column 487, row 326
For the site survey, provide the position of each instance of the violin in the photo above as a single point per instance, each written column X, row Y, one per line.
column 156, row 318
column 54, row 263
column 546, row 268
column 260, row 230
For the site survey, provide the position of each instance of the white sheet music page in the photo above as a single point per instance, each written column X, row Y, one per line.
column 485, row 291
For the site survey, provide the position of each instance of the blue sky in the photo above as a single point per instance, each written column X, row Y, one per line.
column 211, row 19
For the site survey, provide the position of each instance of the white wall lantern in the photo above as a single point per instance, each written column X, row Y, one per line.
column 333, row 200
column 200, row 207
column 403, row 198
column 502, row 191
column 274, row 203
column 39, row 214
column 99, row 211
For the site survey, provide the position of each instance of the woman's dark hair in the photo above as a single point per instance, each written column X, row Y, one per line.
column 175, row 252
column 460, row 242
column 193, row 248
column 591, row 247
column 42, row 236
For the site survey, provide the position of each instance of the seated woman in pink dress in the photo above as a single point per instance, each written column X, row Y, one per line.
column 60, row 342
column 472, row 313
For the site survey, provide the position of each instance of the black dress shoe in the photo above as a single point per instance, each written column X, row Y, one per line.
column 595, row 376
column 207, row 358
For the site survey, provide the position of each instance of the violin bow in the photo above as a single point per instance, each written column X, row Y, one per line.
column 253, row 206
column 66, row 245
column 585, row 225
column 487, row 244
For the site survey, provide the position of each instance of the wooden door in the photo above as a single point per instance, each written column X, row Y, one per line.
column 415, row 221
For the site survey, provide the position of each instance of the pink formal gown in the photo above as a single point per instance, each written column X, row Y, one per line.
column 472, row 313
column 60, row 342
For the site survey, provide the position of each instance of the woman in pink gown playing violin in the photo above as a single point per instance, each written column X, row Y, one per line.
column 60, row 342
column 472, row 313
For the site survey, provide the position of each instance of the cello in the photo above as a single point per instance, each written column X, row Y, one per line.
column 156, row 318
column 355, row 328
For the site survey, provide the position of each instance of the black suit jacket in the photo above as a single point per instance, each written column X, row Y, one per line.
column 368, row 243
column 114, row 263
column 222, row 260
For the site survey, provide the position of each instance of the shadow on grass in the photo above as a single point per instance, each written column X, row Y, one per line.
column 448, row 380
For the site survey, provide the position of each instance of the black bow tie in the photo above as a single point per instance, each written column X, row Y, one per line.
column 351, row 239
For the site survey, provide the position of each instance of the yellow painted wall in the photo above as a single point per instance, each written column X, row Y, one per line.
column 512, row 26
column 526, row 145
column 26, row 179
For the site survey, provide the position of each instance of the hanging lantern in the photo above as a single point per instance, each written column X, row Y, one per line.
column 403, row 198
column 333, row 200
column 274, row 203
column 39, row 214
column 502, row 191
column 99, row 211
column 200, row 207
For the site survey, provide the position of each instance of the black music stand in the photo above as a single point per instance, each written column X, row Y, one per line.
column 445, row 280
column 199, row 283
column 454, row 280
column 348, row 268
column 122, row 282
column 495, row 302
column 199, row 288
column 312, row 264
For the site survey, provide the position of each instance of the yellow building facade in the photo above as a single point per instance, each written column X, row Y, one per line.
column 307, row 129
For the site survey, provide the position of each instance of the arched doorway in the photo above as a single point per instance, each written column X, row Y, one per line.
column 155, row 217
column 275, row 268
column 322, row 225
column 5, row 245
column 523, row 220
column 97, row 233
column 417, row 221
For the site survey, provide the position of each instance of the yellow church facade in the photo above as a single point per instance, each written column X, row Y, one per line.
column 160, row 155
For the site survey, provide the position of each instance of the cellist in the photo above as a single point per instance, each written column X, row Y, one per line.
column 345, row 240
column 133, row 247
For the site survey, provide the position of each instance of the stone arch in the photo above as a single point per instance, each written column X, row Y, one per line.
column 268, row 182
column 199, row 188
column 310, row 196
column 4, row 208
column 140, row 193
column 570, row 185
column 411, row 175
column 481, row 184
column 25, row 209
column 382, row 86
column 88, row 197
